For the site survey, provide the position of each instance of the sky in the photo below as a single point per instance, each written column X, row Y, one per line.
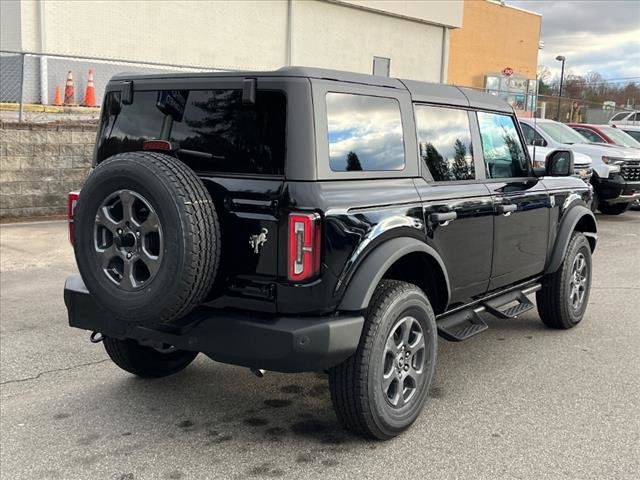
column 595, row 35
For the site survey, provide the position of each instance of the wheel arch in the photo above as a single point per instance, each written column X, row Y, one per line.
column 579, row 218
column 406, row 259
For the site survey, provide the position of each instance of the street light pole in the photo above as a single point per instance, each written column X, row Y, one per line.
column 560, row 58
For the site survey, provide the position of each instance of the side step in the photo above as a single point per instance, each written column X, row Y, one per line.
column 461, row 325
column 466, row 323
column 509, row 305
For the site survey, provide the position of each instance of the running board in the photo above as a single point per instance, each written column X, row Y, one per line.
column 461, row 325
column 466, row 323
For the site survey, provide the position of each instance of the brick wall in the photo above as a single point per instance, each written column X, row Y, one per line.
column 40, row 164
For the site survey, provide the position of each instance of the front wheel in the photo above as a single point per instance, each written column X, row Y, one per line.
column 380, row 391
column 564, row 296
column 145, row 361
column 613, row 209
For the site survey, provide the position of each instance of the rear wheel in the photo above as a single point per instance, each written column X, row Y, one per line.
column 564, row 296
column 144, row 361
column 613, row 209
column 380, row 391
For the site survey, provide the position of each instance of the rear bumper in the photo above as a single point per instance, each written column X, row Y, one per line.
column 277, row 343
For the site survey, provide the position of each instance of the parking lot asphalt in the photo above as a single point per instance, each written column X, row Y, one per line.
column 519, row 401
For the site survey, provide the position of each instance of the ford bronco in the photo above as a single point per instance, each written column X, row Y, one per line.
column 316, row 220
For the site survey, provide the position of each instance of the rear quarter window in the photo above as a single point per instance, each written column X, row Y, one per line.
column 364, row 133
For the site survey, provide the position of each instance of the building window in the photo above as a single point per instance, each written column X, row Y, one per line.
column 444, row 142
column 364, row 133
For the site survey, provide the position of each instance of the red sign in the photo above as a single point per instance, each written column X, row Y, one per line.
column 507, row 72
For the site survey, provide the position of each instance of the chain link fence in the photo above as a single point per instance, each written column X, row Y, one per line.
column 28, row 83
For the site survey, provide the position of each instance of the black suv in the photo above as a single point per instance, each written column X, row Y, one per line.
column 309, row 220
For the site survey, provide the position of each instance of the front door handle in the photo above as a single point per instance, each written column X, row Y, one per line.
column 443, row 218
column 507, row 209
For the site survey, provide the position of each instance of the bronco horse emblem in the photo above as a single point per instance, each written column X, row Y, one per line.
column 257, row 240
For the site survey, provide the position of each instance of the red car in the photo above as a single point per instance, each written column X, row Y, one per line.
column 605, row 134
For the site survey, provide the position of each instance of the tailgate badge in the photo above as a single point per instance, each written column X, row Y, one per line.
column 256, row 241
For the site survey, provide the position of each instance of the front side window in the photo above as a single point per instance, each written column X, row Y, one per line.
column 364, row 133
column 444, row 142
column 503, row 152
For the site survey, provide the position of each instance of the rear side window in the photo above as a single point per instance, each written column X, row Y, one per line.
column 364, row 133
column 444, row 142
column 503, row 152
column 211, row 130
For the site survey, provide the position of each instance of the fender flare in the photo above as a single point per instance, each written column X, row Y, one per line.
column 571, row 218
column 366, row 278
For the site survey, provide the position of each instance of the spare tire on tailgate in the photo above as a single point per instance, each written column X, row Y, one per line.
column 146, row 237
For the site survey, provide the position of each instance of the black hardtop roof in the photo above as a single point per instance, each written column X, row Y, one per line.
column 420, row 91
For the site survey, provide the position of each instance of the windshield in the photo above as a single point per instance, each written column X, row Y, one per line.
column 634, row 134
column 560, row 133
column 619, row 137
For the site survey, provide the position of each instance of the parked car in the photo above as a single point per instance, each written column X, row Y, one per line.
column 581, row 162
column 307, row 219
column 605, row 134
column 616, row 170
column 626, row 118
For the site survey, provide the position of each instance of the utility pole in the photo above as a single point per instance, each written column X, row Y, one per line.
column 560, row 58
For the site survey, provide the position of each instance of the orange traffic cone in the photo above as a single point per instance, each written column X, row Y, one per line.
column 69, row 96
column 90, row 92
column 57, row 100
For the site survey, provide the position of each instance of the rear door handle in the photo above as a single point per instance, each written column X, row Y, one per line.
column 507, row 209
column 443, row 218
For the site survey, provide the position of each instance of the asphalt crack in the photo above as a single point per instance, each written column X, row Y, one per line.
column 55, row 370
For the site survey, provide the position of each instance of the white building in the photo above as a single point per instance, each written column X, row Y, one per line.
column 233, row 34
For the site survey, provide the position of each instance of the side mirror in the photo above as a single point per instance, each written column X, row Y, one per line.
column 539, row 142
column 559, row 163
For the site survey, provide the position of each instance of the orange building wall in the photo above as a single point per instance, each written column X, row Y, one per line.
column 492, row 37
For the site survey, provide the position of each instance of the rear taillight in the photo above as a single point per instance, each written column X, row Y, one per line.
column 304, row 246
column 71, row 206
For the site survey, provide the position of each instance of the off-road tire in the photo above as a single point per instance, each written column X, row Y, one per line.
column 146, row 362
column 356, row 384
column 554, row 306
column 191, row 244
column 614, row 208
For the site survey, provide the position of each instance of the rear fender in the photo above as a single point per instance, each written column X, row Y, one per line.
column 373, row 268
